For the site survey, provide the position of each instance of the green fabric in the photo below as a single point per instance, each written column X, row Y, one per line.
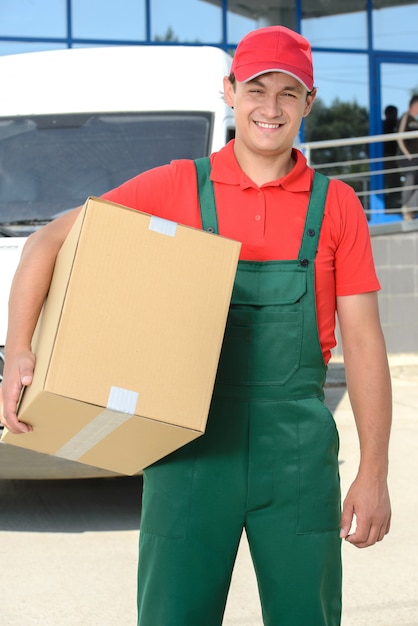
column 267, row 463
column 206, row 193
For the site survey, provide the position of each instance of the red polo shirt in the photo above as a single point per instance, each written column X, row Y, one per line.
column 269, row 221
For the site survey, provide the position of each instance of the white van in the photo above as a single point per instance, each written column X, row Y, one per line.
column 78, row 122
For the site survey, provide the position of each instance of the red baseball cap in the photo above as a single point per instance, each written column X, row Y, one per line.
column 273, row 49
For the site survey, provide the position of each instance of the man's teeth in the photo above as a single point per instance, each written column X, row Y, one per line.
column 265, row 125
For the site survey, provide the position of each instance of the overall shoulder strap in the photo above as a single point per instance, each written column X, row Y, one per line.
column 206, row 195
column 314, row 217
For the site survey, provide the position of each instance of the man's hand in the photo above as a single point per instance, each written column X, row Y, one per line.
column 368, row 501
column 17, row 374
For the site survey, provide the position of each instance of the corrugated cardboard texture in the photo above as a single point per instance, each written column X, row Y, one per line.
column 139, row 310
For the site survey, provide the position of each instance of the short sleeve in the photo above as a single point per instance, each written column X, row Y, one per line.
column 354, row 264
column 168, row 191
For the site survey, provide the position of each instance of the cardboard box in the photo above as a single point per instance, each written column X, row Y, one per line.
column 129, row 340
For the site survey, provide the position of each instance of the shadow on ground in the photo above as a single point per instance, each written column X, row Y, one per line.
column 82, row 505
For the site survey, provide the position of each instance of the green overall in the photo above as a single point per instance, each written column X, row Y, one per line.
column 267, row 463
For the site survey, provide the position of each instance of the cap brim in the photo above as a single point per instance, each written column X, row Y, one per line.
column 274, row 69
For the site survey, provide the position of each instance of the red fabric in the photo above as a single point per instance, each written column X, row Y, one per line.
column 269, row 222
column 273, row 49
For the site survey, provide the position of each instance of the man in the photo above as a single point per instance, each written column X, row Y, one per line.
column 268, row 461
column 408, row 150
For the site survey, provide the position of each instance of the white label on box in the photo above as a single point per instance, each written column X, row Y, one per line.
column 122, row 400
column 160, row 225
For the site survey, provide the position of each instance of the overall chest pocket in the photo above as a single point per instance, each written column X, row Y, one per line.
column 263, row 337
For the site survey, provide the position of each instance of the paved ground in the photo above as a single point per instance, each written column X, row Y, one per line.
column 68, row 548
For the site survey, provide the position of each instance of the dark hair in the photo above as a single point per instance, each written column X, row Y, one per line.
column 391, row 111
column 413, row 99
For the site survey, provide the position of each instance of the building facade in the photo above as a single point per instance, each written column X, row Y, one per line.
column 365, row 51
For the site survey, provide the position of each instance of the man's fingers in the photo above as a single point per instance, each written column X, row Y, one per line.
column 26, row 367
column 347, row 519
column 9, row 419
column 362, row 537
column 16, row 427
column 367, row 534
column 26, row 378
column 9, row 399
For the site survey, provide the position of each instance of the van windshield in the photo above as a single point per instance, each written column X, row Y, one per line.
column 52, row 163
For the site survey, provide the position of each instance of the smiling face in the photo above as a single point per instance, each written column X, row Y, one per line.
column 268, row 113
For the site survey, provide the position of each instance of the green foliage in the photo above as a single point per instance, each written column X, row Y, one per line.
column 169, row 36
column 339, row 121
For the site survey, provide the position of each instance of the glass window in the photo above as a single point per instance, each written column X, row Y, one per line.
column 340, row 111
column 399, row 81
column 335, row 25
column 238, row 26
column 341, row 76
column 395, row 27
column 53, row 162
column 243, row 17
column 188, row 21
column 37, row 18
column 109, row 19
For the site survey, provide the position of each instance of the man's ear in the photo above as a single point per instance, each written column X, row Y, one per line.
column 229, row 92
column 309, row 101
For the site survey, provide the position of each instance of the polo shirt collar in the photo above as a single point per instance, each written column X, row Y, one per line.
column 225, row 169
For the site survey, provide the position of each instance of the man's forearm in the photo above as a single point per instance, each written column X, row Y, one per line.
column 368, row 377
column 27, row 294
column 29, row 289
column 369, row 388
column 32, row 280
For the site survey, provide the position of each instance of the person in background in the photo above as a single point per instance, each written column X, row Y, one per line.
column 408, row 151
column 267, row 464
column 390, row 148
column 390, row 123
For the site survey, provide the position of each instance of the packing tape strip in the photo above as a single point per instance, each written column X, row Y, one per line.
column 160, row 225
column 120, row 408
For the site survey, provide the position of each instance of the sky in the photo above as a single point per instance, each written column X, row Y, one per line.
column 343, row 76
